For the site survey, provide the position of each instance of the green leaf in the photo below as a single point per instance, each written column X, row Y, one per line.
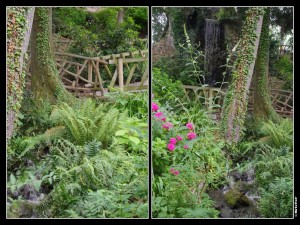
column 37, row 185
column 12, row 179
column 134, row 140
column 121, row 132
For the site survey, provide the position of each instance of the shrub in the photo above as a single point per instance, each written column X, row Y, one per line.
column 277, row 200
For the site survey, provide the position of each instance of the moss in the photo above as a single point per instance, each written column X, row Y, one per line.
column 243, row 200
column 263, row 109
column 232, row 196
column 45, row 81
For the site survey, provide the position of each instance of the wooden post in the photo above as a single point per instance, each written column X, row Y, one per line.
column 120, row 73
column 90, row 72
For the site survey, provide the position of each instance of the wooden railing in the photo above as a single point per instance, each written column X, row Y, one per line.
column 81, row 73
column 212, row 98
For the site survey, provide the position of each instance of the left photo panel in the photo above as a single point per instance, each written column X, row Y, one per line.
column 77, row 112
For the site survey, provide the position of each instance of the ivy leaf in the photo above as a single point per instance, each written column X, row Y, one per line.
column 121, row 132
column 134, row 140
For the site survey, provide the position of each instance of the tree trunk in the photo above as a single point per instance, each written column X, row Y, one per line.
column 120, row 16
column 19, row 26
column 235, row 104
column 263, row 109
column 45, row 81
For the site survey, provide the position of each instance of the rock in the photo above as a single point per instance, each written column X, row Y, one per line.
column 234, row 198
column 236, row 175
column 243, row 200
column 231, row 197
column 243, row 186
column 28, row 192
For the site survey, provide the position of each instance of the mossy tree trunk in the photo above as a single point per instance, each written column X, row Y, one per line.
column 235, row 104
column 263, row 109
column 45, row 81
column 19, row 25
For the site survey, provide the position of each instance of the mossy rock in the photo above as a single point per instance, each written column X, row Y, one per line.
column 243, row 186
column 243, row 200
column 232, row 196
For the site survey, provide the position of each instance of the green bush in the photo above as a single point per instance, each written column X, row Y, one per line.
column 165, row 89
column 284, row 69
column 277, row 200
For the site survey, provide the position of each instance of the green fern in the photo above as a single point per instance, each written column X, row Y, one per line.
column 277, row 200
column 90, row 122
column 278, row 135
column 92, row 148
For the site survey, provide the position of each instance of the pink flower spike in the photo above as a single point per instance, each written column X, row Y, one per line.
column 158, row 114
column 171, row 147
column 173, row 141
column 191, row 135
column 179, row 138
column 185, row 147
column 189, row 126
column 167, row 126
column 163, row 119
column 154, row 107
column 176, row 173
column 172, row 170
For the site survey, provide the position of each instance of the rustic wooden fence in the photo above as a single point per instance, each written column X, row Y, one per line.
column 212, row 98
column 86, row 74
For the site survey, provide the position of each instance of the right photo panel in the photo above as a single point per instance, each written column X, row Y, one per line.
column 222, row 112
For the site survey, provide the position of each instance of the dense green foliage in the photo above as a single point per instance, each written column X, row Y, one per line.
column 83, row 174
column 99, row 33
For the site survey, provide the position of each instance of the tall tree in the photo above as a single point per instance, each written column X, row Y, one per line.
column 45, row 82
column 235, row 105
column 19, row 24
column 263, row 109
column 120, row 15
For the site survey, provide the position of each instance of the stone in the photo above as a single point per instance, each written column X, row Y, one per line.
column 243, row 200
column 231, row 197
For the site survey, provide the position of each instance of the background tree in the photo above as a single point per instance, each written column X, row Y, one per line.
column 235, row 104
column 45, row 81
column 19, row 26
column 263, row 109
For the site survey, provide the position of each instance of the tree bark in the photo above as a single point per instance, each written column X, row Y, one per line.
column 263, row 109
column 17, row 44
column 235, row 104
column 120, row 16
column 45, row 81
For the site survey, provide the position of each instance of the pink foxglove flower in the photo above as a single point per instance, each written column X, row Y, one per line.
column 189, row 126
column 163, row 119
column 154, row 107
column 171, row 147
column 185, row 147
column 158, row 114
column 191, row 135
column 176, row 173
column 179, row 138
column 173, row 141
column 167, row 125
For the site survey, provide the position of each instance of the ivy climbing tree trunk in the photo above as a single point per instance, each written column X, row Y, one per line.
column 235, row 104
column 263, row 109
column 19, row 24
column 45, row 82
